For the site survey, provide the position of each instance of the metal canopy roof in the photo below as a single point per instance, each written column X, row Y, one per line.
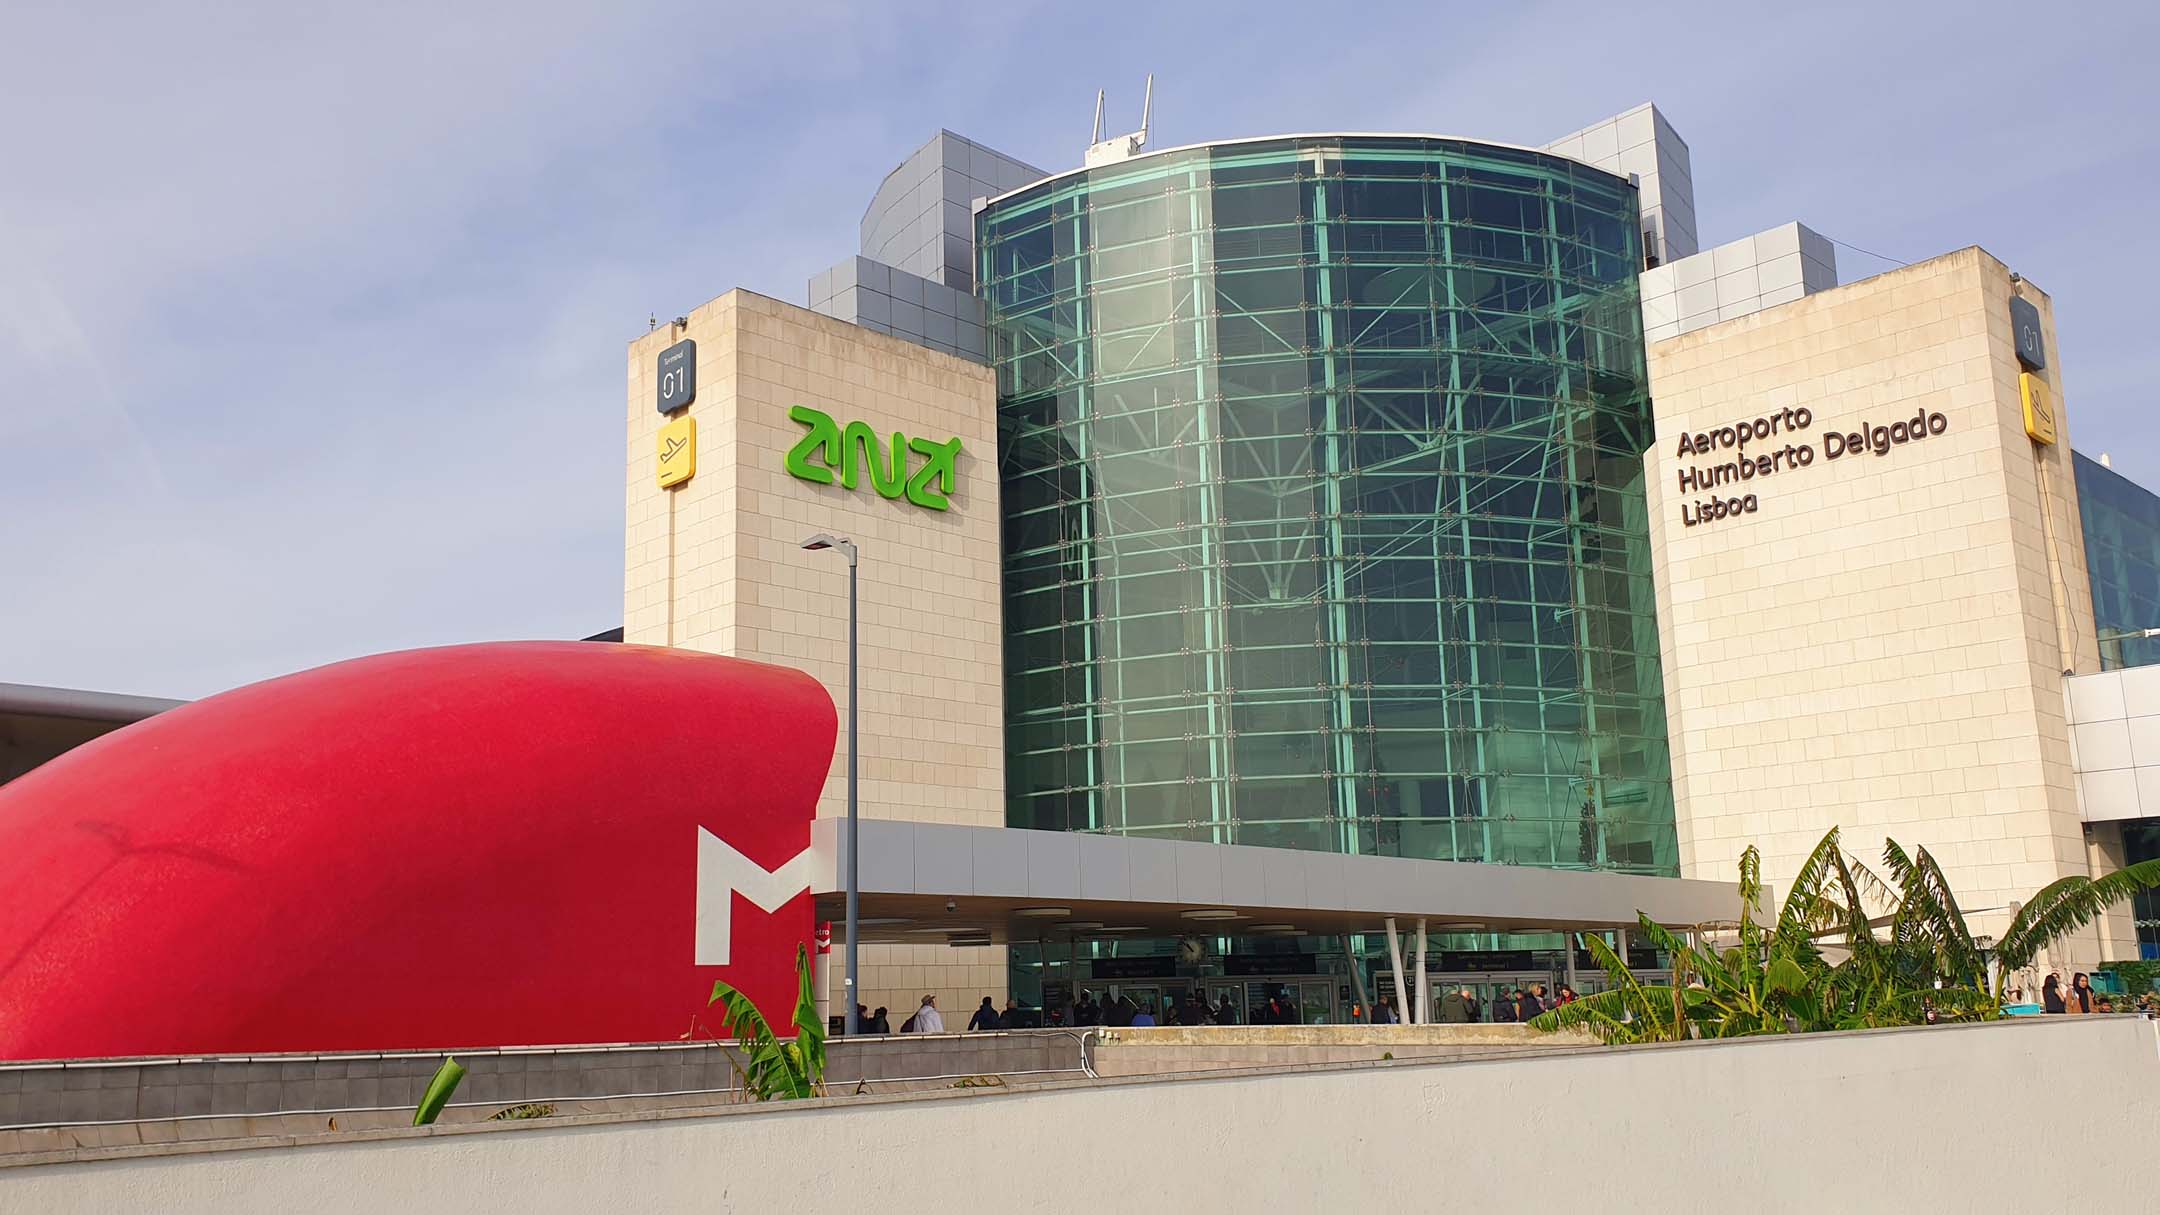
column 1005, row 884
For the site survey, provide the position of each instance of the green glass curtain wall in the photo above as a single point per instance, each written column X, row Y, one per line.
column 1324, row 515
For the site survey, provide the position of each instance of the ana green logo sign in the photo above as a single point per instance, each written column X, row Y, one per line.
column 827, row 447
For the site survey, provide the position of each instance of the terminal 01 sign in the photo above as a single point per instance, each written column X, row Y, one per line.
column 1777, row 443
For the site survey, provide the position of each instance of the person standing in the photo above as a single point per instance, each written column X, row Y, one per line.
column 2080, row 999
column 1014, row 1016
column 1454, row 1008
column 927, row 1019
column 985, row 1018
column 2051, row 996
column 878, row 1024
column 1085, row 1011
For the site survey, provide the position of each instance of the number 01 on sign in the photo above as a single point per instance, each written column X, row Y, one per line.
column 678, row 452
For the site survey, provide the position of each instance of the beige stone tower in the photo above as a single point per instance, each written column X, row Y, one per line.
column 716, row 564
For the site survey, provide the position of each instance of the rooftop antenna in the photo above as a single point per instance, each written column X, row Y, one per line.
column 1118, row 147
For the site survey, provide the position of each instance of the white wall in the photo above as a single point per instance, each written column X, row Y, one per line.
column 2115, row 743
column 1738, row 278
column 1965, row 1117
column 1642, row 144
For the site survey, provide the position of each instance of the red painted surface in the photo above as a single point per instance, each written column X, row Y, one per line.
column 469, row 846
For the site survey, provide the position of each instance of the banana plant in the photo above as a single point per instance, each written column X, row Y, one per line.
column 776, row 1069
column 1781, row 979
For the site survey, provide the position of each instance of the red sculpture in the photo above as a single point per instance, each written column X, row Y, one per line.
column 481, row 845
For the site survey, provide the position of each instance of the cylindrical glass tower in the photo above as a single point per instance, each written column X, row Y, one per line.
column 1324, row 522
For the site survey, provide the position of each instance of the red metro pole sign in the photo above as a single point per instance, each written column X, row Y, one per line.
column 490, row 845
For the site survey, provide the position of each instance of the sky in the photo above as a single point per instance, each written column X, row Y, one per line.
column 312, row 323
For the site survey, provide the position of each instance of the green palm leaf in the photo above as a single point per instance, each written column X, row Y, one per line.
column 2067, row 905
column 439, row 1089
column 1808, row 907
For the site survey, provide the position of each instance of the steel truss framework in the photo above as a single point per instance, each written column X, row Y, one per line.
column 1324, row 521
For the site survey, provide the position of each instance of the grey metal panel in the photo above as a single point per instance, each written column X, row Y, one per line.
column 1105, row 872
column 1000, row 863
column 1283, row 877
column 1153, row 871
column 1199, row 872
column 1325, row 880
column 872, row 307
column 944, row 859
column 1166, row 875
column 941, row 327
column 1053, row 864
column 875, row 275
column 1244, row 876
column 888, row 855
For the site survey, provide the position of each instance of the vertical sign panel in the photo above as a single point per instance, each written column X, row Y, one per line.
column 678, row 452
column 678, row 375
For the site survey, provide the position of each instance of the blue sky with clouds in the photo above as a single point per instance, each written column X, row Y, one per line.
column 312, row 322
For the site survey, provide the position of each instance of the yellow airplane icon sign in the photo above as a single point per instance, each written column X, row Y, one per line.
column 678, row 452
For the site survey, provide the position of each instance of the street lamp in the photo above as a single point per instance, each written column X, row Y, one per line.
column 814, row 544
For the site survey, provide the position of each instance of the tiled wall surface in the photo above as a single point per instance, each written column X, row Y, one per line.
column 869, row 293
column 1736, row 279
column 1879, row 645
column 715, row 565
column 202, row 1087
column 2115, row 737
column 1642, row 143
column 922, row 220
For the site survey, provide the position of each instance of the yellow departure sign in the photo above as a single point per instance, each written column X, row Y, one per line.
column 678, row 452
column 2039, row 409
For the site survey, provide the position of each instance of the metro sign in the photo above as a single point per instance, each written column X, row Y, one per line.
column 519, row 844
column 723, row 873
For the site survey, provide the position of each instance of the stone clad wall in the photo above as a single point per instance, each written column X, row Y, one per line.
column 716, row 565
column 1874, row 641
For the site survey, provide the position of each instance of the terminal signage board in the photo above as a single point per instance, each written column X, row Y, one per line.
column 1722, row 467
column 1162, row 967
column 2039, row 408
column 677, row 452
column 826, row 448
column 1271, row 964
column 2025, row 330
column 677, row 375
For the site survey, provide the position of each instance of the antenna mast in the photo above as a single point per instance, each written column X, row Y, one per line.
column 1118, row 147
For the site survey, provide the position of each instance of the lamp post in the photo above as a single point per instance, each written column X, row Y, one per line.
column 847, row 549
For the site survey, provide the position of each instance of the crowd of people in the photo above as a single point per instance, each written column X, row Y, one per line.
column 2077, row 998
column 1461, row 1006
column 1457, row 1006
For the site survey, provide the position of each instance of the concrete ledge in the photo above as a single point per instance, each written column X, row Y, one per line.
column 1384, row 1036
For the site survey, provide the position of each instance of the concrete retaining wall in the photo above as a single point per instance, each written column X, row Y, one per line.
column 1951, row 1117
column 133, row 1090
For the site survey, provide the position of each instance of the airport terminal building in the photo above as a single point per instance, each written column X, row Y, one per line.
column 1339, row 499
column 1260, row 543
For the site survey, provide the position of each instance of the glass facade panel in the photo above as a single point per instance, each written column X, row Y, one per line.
column 1324, row 508
column 2122, row 558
